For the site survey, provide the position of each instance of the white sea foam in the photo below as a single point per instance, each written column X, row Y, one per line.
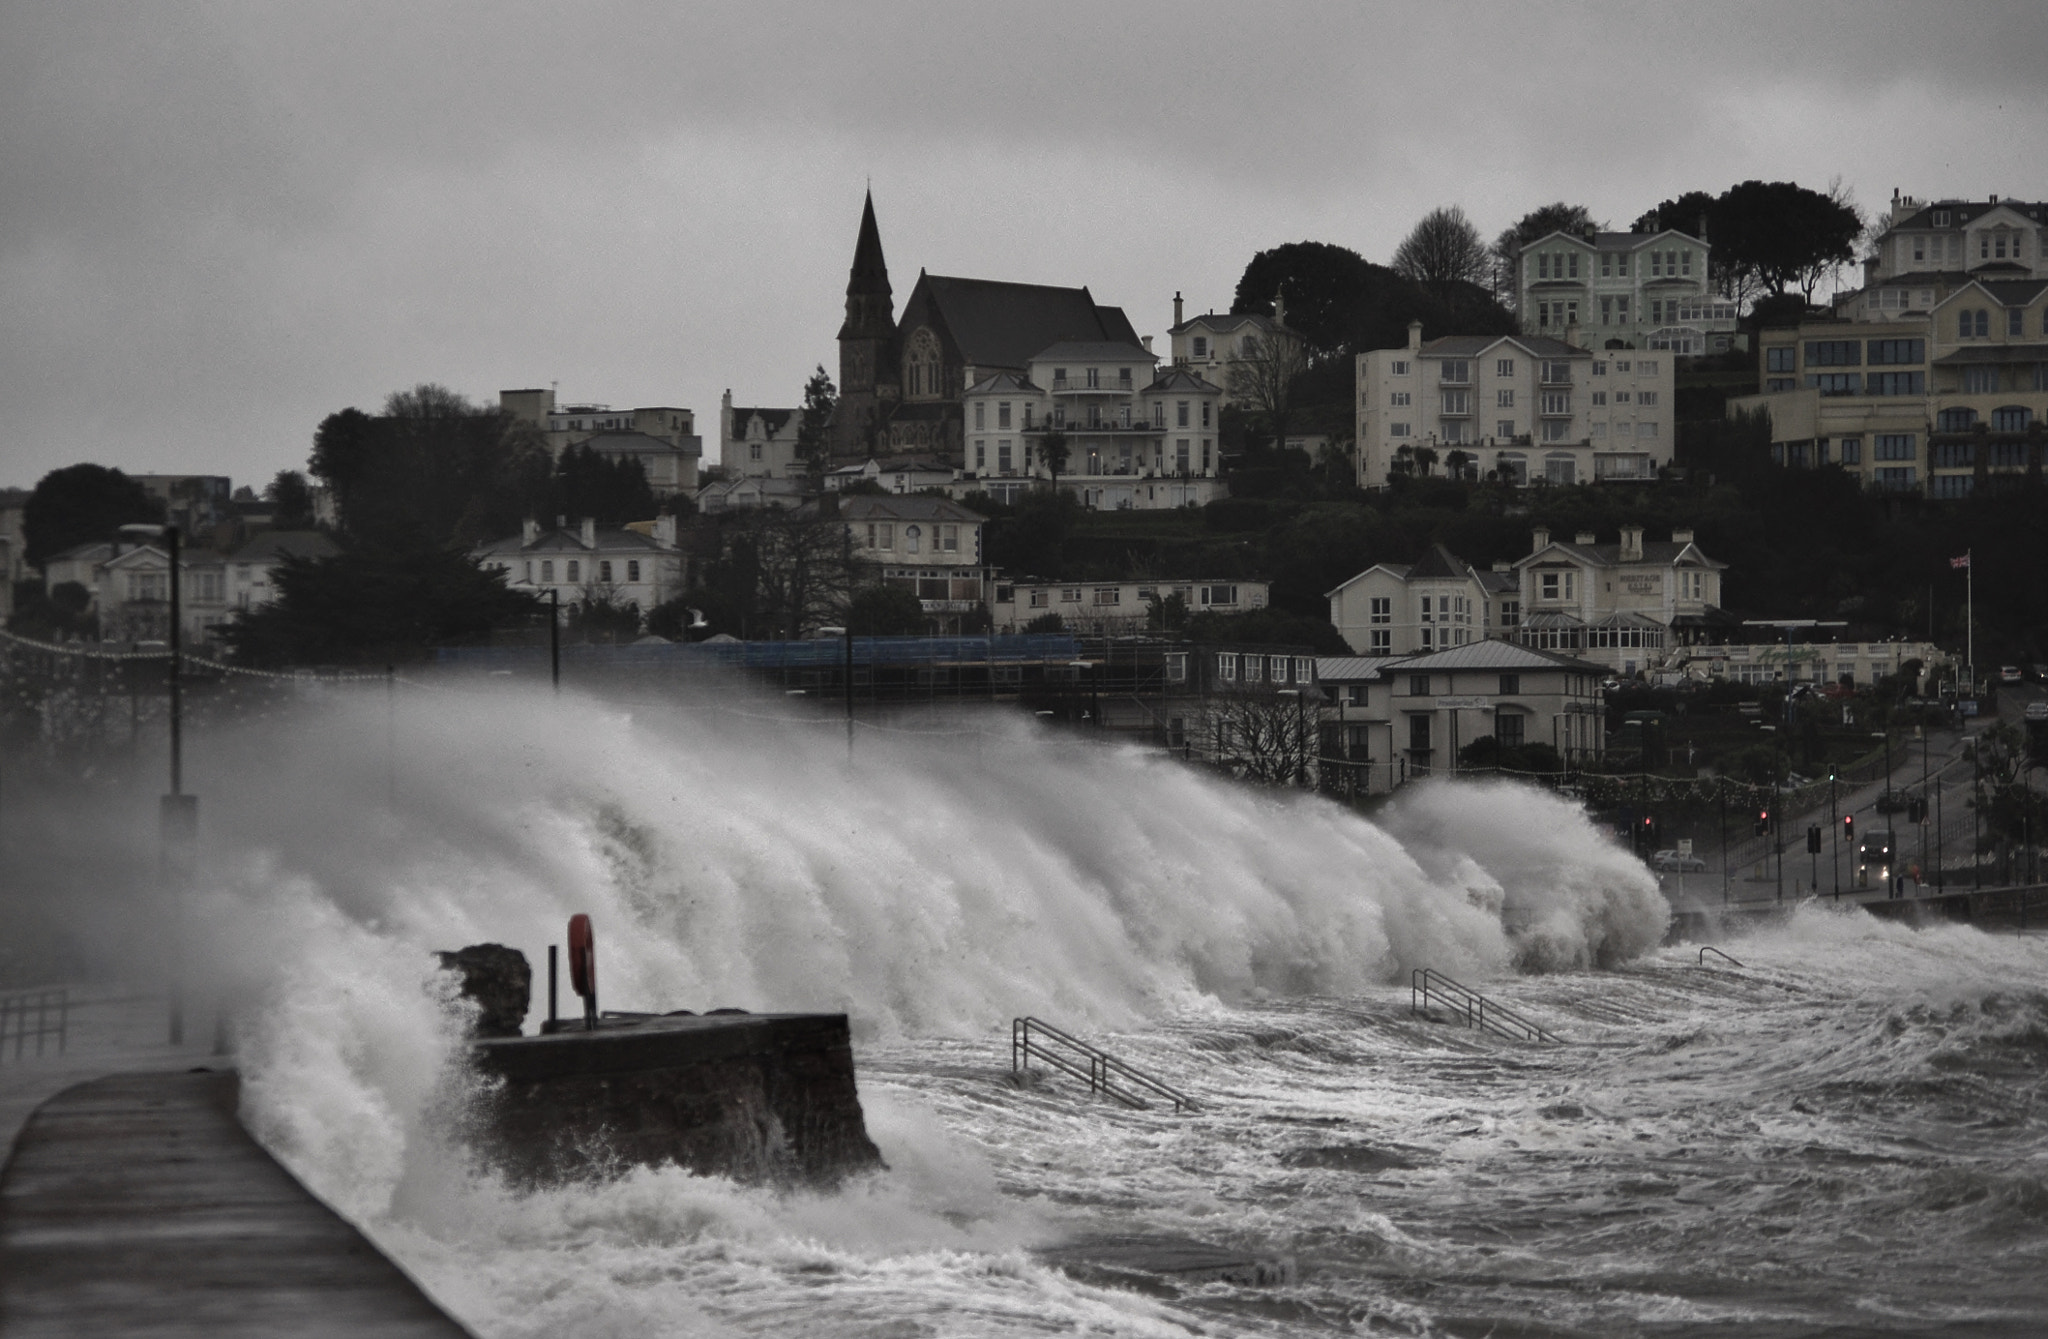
column 939, row 887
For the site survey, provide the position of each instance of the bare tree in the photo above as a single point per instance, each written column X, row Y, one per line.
column 1443, row 249
column 1260, row 735
column 1263, row 376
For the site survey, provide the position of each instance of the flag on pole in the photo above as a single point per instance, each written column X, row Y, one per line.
column 1958, row 564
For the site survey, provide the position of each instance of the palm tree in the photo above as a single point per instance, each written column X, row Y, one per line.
column 1052, row 449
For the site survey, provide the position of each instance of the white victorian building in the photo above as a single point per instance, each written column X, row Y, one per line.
column 1520, row 408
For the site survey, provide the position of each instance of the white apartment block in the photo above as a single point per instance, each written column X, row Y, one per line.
column 1523, row 409
column 1115, row 608
column 1624, row 290
column 1135, row 438
column 1939, row 402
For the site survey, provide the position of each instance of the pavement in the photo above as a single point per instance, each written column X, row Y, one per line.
column 134, row 1204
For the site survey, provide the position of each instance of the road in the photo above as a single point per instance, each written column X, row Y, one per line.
column 1935, row 766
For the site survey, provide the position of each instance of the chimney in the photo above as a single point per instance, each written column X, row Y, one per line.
column 1631, row 543
column 1147, row 342
column 529, row 531
column 665, row 531
column 1583, row 537
column 1502, row 565
column 1280, row 299
column 1414, row 336
column 589, row 532
column 1176, row 311
column 1541, row 535
column 1571, row 334
column 1681, row 536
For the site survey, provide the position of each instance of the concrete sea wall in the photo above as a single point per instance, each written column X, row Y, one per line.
column 756, row 1097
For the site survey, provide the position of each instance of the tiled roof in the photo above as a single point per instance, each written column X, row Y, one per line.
column 997, row 324
column 1180, row 379
column 1491, row 654
column 630, row 444
column 1661, row 552
column 2014, row 292
column 1962, row 212
column 1438, row 561
column 1343, row 668
column 772, row 420
column 1226, row 324
column 1004, row 381
column 552, row 540
column 1994, row 353
column 871, row 508
column 1471, row 346
column 286, row 544
column 1097, row 350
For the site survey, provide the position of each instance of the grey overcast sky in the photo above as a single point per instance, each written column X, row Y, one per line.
column 220, row 222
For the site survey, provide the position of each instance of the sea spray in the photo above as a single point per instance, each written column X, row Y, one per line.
column 1815, row 1136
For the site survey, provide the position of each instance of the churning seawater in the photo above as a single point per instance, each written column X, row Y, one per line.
column 1841, row 1137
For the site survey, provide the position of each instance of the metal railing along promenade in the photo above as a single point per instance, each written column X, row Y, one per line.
column 1103, row 1072
column 40, row 1014
column 1476, row 1009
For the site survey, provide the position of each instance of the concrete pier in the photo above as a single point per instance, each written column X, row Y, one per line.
column 136, row 1205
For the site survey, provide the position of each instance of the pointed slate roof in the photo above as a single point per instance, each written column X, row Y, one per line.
column 870, row 272
column 1180, row 379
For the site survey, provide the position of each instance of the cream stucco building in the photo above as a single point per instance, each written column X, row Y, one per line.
column 1523, row 408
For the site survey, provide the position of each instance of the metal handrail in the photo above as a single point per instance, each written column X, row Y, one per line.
column 1100, row 1065
column 15, row 1011
column 1479, row 1011
column 1705, row 949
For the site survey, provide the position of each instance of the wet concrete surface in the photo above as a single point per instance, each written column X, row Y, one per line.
column 135, row 1204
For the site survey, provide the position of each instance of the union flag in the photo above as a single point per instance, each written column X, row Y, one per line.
column 1959, row 563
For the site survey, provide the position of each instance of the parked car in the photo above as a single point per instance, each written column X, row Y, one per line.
column 1671, row 862
column 2037, row 711
column 2010, row 674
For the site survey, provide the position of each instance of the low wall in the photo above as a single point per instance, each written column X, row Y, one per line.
column 756, row 1097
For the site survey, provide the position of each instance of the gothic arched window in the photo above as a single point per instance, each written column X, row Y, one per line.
column 923, row 370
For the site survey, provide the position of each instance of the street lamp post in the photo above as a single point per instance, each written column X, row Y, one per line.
column 1891, row 843
column 1777, row 822
column 177, row 812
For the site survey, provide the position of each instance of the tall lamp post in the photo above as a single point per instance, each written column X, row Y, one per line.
column 1777, row 833
column 177, row 813
column 1891, row 842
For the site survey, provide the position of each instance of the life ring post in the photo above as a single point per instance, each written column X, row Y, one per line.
column 583, row 966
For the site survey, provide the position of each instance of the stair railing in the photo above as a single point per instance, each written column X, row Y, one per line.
column 34, row 1013
column 1477, row 1010
column 1705, row 949
column 1102, row 1072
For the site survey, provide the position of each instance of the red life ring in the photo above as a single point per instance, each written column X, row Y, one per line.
column 582, row 956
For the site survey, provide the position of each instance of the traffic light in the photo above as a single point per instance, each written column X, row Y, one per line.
column 1813, row 838
column 1763, row 822
column 1848, row 827
column 1649, row 832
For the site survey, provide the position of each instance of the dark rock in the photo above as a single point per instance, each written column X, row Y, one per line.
column 1346, row 1158
column 1164, row 1266
column 500, row 982
column 755, row 1097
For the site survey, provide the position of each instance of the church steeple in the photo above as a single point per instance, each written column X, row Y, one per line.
column 865, row 370
column 870, row 276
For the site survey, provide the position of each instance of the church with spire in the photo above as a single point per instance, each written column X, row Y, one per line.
column 902, row 379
